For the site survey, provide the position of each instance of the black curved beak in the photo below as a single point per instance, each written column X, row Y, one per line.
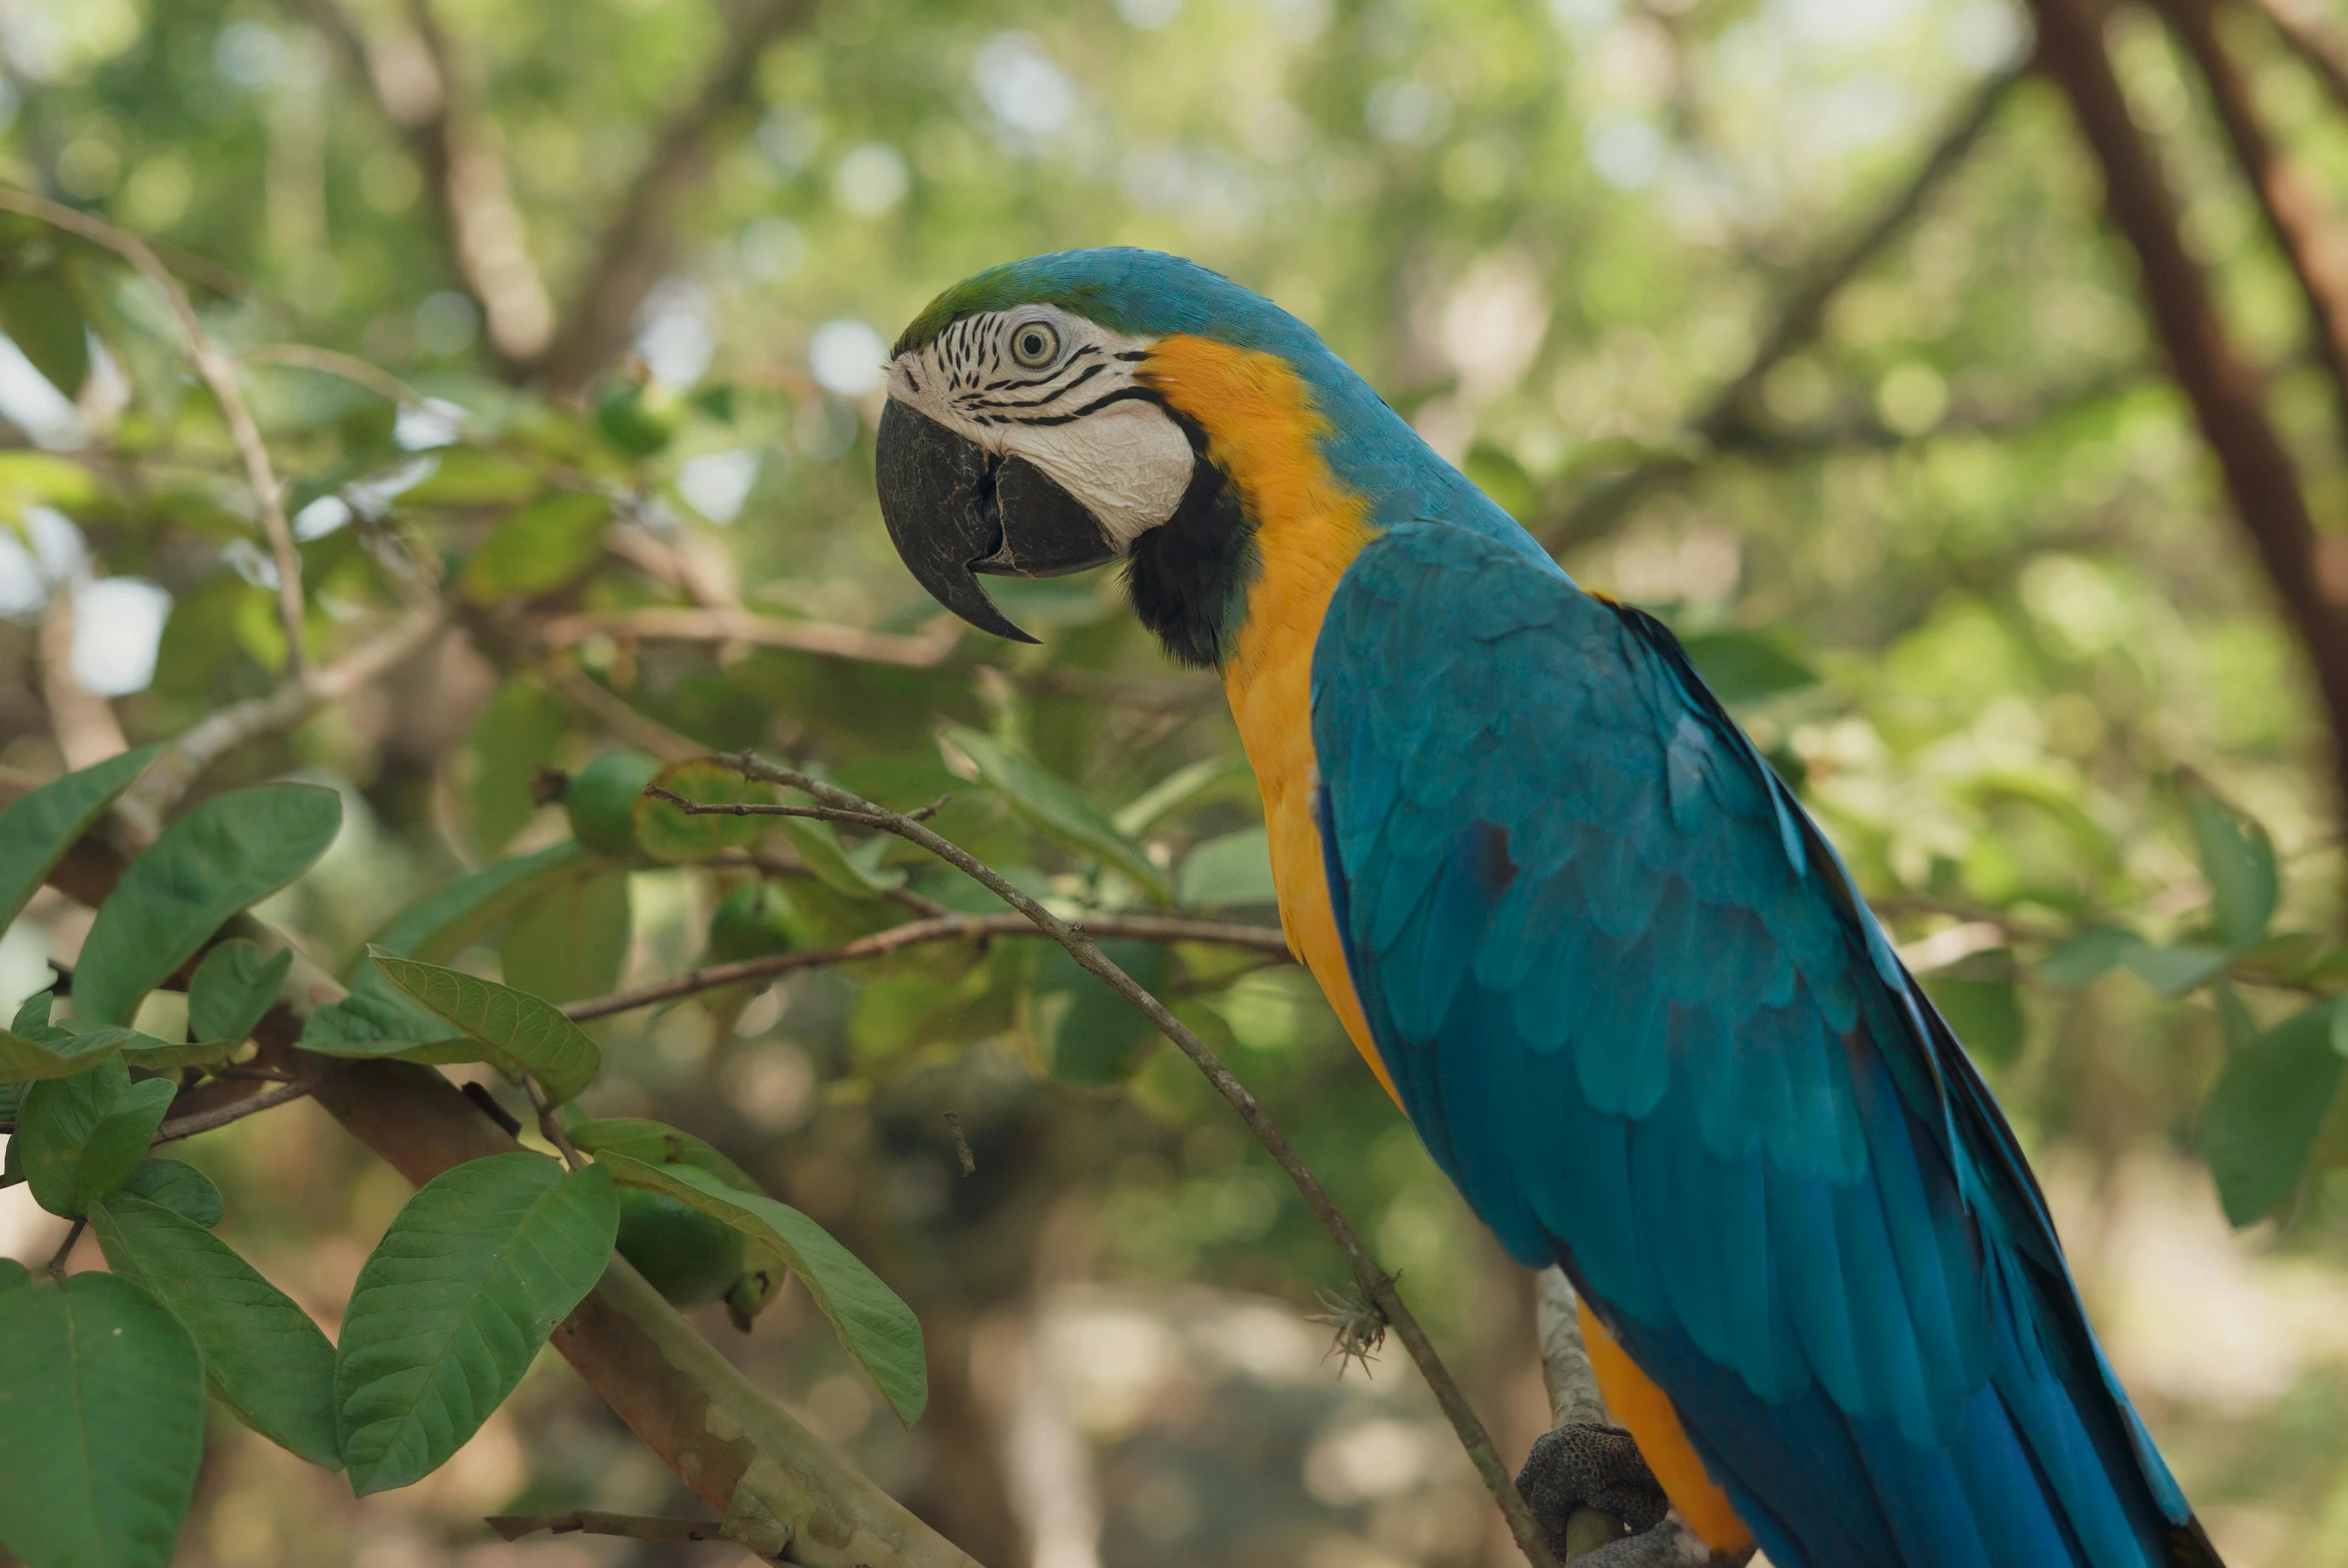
column 953, row 509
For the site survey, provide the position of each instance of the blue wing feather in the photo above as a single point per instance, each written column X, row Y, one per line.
column 1629, row 996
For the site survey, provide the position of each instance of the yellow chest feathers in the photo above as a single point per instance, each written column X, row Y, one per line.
column 1264, row 430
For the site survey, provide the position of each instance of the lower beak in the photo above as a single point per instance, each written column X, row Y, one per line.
column 953, row 509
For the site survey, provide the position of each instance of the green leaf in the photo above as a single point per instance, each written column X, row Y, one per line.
column 518, row 1029
column 1181, row 790
column 470, row 477
column 147, row 1053
column 105, row 1398
column 377, row 1019
column 23, row 1057
column 668, row 833
column 1745, row 666
column 2263, row 1117
column 445, row 922
column 518, row 735
column 454, row 1303
column 367, row 1023
column 39, row 312
column 655, row 1144
column 538, row 549
column 1054, row 808
column 178, row 1186
column 855, row 874
column 2085, row 958
column 877, row 1327
column 1984, row 1009
column 234, row 986
column 14, row 1275
column 569, row 945
column 263, row 1357
column 84, row 1136
column 2239, row 860
column 41, row 824
column 1232, row 869
column 1085, row 1035
column 226, row 853
column 2177, row 970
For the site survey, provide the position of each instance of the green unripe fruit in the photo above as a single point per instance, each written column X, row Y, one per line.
column 690, row 1258
column 600, row 797
column 749, row 923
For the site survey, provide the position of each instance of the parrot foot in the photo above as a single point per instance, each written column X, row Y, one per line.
column 1586, row 1466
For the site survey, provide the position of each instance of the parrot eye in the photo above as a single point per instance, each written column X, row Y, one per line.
column 1035, row 344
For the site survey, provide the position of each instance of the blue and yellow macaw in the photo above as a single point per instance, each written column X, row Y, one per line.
column 1612, row 972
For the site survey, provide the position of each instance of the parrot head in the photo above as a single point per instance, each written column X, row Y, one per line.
column 1076, row 409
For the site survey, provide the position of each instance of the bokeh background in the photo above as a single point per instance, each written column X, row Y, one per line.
column 1951, row 546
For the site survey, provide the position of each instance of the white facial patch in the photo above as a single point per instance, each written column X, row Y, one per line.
column 1074, row 412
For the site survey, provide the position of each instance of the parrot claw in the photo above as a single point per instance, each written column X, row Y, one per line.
column 1587, row 1467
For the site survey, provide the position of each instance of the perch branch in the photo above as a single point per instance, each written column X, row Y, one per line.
column 2292, row 203
column 218, row 373
column 1263, row 939
column 1799, row 316
column 2256, row 466
column 1376, row 1282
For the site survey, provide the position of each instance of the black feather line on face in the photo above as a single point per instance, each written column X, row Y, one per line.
column 1184, row 575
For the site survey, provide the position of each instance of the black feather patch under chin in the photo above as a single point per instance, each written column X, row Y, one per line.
column 1185, row 575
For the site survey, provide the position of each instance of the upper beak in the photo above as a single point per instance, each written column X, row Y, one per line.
column 954, row 509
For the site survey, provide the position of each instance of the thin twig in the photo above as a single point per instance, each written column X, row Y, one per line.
column 218, row 373
column 1376, row 1282
column 548, row 1127
column 328, row 362
column 65, row 1247
column 962, row 1145
column 237, row 1110
column 1799, row 319
column 1264, row 940
column 689, row 624
column 171, row 775
column 822, row 814
column 587, row 1521
column 617, row 716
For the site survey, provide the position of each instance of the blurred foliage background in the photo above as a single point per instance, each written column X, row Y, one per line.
column 569, row 317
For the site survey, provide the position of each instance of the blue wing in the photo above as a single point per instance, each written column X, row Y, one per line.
column 1634, row 1007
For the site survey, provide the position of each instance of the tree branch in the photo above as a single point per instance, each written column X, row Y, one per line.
column 2257, row 467
column 637, row 245
column 1803, row 310
column 1377, row 1284
column 218, row 373
column 237, row 1110
column 1263, row 939
column 783, row 1493
column 424, row 91
column 680, row 624
column 2292, row 203
column 2307, row 36
column 171, row 775
column 585, row 1521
